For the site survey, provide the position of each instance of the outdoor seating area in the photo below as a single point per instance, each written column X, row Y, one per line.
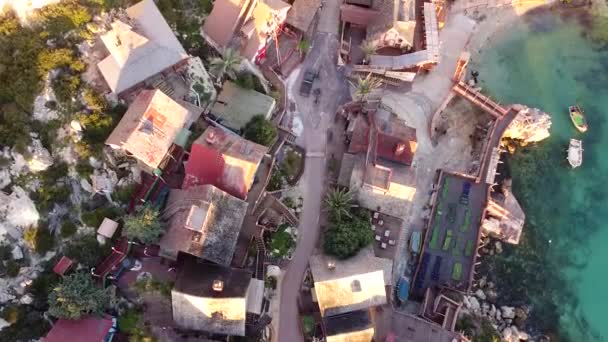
column 386, row 233
column 450, row 242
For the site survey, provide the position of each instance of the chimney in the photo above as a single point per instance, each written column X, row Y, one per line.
column 331, row 265
column 400, row 148
column 218, row 285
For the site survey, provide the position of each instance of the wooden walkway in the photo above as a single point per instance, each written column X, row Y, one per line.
column 480, row 100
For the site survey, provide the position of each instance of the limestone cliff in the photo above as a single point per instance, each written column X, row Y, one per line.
column 529, row 126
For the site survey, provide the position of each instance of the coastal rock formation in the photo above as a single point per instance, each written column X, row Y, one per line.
column 530, row 125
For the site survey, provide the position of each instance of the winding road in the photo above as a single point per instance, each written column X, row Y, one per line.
column 315, row 121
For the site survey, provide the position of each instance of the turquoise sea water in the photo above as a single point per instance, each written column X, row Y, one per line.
column 560, row 268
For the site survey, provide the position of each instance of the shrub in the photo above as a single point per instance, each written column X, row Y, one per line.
column 5, row 252
column 123, row 194
column 153, row 285
column 38, row 239
column 245, row 80
column 93, row 100
column 77, row 296
column 144, row 226
column 58, row 19
column 345, row 238
column 95, row 217
column 58, row 58
column 27, row 324
column 275, row 182
column 129, row 321
column 84, row 168
column 260, row 130
column 68, row 228
column 12, row 268
column 281, row 242
column 14, row 127
column 86, row 250
column 65, row 86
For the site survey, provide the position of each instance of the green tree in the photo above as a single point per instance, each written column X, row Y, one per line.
column 228, row 64
column 365, row 86
column 144, row 226
column 338, row 203
column 78, row 296
column 260, row 130
column 344, row 239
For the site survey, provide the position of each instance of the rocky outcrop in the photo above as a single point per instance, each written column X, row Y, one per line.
column 40, row 157
column 506, row 320
column 16, row 211
column 529, row 126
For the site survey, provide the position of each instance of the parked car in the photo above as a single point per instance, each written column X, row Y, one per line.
column 464, row 195
column 307, row 80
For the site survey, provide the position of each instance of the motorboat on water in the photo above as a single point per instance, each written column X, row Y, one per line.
column 577, row 116
column 575, row 153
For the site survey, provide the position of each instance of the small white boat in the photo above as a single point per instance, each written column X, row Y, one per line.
column 575, row 153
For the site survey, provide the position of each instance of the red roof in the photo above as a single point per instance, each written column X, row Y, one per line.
column 223, row 160
column 396, row 143
column 63, row 265
column 88, row 329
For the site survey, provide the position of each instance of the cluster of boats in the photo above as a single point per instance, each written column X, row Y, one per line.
column 575, row 149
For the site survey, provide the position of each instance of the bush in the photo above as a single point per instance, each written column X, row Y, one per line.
column 144, row 226
column 51, row 190
column 84, row 169
column 39, row 239
column 152, row 285
column 14, row 127
column 27, row 324
column 6, row 252
column 58, row 19
column 129, row 321
column 12, row 268
column 78, row 296
column 65, row 86
column 292, row 163
column 281, row 242
column 94, row 218
column 245, row 80
column 68, row 228
column 345, row 238
column 123, row 194
column 58, row 58
column 86, row 250
column 260, row 130
column 92, row 100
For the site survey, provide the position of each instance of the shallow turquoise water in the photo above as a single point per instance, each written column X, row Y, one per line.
column 561, row 266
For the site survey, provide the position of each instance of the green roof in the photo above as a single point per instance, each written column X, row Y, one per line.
column 235, row 106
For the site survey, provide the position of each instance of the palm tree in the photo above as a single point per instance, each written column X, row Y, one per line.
column 228, row 64
column 303, row 47
column 366, row 86
column 368, row 48
column 338, row 203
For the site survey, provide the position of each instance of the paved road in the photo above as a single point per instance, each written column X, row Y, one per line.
column 315, row 120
